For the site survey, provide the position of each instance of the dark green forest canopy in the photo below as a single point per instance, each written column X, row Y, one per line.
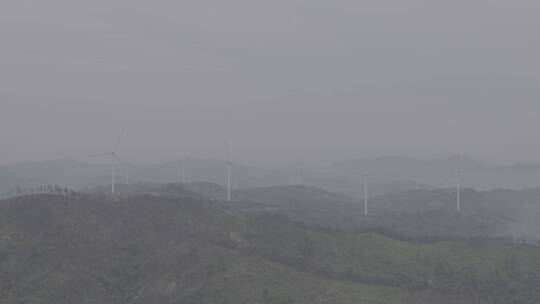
column 148, row 249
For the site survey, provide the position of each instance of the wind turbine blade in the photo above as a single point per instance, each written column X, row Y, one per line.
column 116, row 157
column 118, row 141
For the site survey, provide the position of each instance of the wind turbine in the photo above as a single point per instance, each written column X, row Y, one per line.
column 458, row 191
column 365, row 194
column 183, row 170
column 229, row 171
column 114, row 160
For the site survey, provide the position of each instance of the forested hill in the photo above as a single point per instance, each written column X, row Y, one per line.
column 416, row 213
column 79, row 248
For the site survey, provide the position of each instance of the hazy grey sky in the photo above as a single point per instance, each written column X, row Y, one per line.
column 279, row 78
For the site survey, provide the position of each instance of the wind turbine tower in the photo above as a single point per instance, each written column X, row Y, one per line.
column 229, row 172
column 183, row 170
column 458, row 192
column 114, row 160
column 365, row 194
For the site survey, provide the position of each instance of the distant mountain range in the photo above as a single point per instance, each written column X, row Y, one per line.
column 386, row 174
column 441, row 172
column 78, row 175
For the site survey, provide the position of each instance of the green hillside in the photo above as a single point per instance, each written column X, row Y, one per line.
column 149, row 249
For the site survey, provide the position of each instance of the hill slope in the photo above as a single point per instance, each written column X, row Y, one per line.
column 85, row 249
